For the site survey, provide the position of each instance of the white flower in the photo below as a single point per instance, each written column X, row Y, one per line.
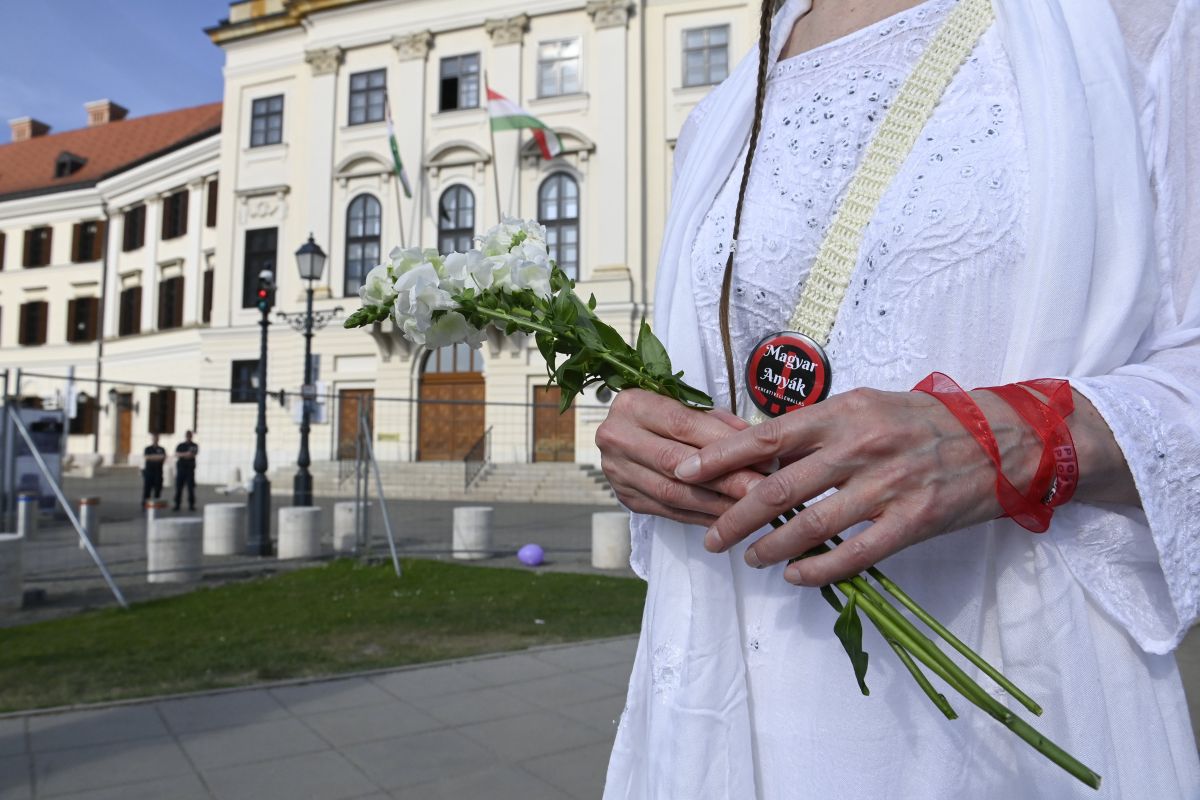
column 418, row 295
column 467, row 270
column 453, row 328
column 377, row 288
column 498, row 240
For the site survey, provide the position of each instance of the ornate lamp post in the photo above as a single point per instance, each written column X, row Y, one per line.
column 310, row 260
column 260, row 491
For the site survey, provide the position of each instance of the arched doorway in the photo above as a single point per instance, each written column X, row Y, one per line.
column 452, row 415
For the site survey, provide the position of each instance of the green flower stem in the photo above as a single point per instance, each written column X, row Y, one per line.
column 937, row 697
column 501, row 316
column 942, row 631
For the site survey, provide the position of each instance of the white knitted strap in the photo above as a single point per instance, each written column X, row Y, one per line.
column 826, row 286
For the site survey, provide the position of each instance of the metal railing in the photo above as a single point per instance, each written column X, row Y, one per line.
column 477, row 459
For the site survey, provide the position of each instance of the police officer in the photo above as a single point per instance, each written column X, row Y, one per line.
column 152, row 469
column 185, row 470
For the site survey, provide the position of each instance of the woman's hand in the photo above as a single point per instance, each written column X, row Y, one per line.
column 899, row 460
column 643, row 441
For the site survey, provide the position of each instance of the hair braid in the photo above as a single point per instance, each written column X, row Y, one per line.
column 760, row 94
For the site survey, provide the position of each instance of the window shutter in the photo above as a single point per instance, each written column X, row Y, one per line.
column 2, row 241
column 23, row 325
column 153, row 419
column 163, row 295
column 27, row 255
column 98, row 242
column 178, row 310
column 164, row 209
column 168, row 410
column 206, row 308
column 181, row 228
column 72, row 307
column 137, row 310
column 92, row 319
column 76, row 233
column 211, row 216
column 46, row 247
column 43, row 315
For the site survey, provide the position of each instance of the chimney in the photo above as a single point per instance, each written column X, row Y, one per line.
column 26, row 128
column 102, row 112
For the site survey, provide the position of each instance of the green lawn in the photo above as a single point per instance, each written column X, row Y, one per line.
column 320, row 621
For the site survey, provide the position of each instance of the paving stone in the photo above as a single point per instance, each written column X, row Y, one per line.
column 355, row 725
column 103, row 766
column 209, row 712
column 479, row 705
column 14, row 778
column 532, row 735
column 580, row 772
column 410, row 760
column 603, row 714
column 184, row 787
column 427, row 682
column 313, row 698
column 510, row 669
column 615, row 675
column 99, row 726
column 586, row 656
column 556, row 691
column 259, row 741
column 498, row 783
column 12, row 736
column 318, row 776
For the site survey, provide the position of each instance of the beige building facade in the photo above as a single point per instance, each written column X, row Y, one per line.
column 303, row 149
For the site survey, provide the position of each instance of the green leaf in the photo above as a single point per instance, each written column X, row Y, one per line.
column 614, row 341
column 848, row 629
column 653, row 354
column 592, row 302
column 564, row 401
column 545, row 345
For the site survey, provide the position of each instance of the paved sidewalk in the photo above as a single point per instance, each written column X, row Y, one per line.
column 524, row 726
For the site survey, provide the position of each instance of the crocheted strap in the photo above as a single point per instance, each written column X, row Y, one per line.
column 826, row 287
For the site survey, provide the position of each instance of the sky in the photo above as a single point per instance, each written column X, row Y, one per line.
column 147, row 55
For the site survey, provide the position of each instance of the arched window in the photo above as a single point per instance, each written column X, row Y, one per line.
column 558, row 210
column 456, row 220
column 362, row 240
column 453, row 358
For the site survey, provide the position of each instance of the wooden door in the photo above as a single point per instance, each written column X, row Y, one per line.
column 348, row 405
column 452, row 417
column 124, row 428
column 553, row 433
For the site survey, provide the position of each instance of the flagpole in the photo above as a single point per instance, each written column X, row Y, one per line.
column 395, row 177
column 495, row 161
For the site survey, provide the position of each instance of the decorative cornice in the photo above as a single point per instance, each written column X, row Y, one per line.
column 609, row 13
column 325, row 60
column 413, row 46
column 507, row 31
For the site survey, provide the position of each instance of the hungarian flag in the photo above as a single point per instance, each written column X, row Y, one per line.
column 508, row 116
column 397, row 164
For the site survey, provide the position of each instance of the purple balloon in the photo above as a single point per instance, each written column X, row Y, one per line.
column 531, row 555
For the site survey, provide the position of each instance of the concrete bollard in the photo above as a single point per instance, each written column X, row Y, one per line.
column 610, row 540
column 12, row 592
column 27, row 514
column 345, row 541
column 174, row 550
column 89, row 520
column 472, row 536
column 299, row 532
column 224, row 529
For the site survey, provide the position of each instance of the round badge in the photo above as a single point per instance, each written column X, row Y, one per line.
column 786, row 371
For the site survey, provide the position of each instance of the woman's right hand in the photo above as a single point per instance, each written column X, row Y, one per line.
column 644, row 439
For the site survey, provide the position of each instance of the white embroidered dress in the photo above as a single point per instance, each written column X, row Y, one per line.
column 758, row 699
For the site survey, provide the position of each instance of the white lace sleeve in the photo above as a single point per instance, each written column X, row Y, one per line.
column 1153, row 406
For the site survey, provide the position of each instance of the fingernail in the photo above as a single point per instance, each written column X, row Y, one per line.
column 712, row 541
column 792, row 574
column 752, row 559
column 689, row 467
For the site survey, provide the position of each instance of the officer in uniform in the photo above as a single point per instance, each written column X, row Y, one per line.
column 185, row 470
column 152, row 469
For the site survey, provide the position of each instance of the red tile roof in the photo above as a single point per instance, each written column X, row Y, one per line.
column 27, row 168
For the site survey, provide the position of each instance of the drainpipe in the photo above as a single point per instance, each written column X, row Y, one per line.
column 100, row 326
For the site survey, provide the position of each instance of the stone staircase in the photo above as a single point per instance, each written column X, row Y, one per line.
column 443, row 480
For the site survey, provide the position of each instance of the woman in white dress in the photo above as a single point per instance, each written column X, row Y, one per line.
column 1046, row 223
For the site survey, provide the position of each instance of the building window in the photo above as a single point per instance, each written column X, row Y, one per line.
column 558, row 210
column 558, row 67
column 134, row 235
column 210, row 216
column 705, row 55
column 37, row 246
column 260, row 255
column 33, row 322
column 162, row 411
column 129, row 319
column 241, row 381
column 83, row 317
column 84, row 421
column 454, row 358
column 362, row 240
column 68, row 164
column 460, row 82
column 206, row 302
column 456, row 220
column 174, row 211
column 266, row 121
column 170, row 303
column 87, row 241
column 2, row 242
column 368, row 93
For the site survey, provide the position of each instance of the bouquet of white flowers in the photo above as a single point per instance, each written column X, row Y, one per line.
column 511, row 282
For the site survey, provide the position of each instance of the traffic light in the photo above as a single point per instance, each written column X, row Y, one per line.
column 266, row 291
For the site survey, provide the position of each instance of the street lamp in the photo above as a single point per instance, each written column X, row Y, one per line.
column 260, row 489
column 310, row 260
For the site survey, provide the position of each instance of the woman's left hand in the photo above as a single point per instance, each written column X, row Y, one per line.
column 899, row 460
